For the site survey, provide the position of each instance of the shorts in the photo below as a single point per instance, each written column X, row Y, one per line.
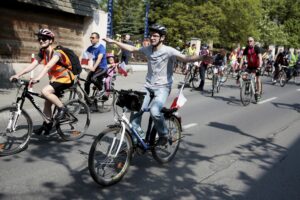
column 253, row 70
column 60, row 87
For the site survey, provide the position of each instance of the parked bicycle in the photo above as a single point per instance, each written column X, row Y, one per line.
column 248, row 88
column 111, row 152
column 16, row 124
column 99, row 100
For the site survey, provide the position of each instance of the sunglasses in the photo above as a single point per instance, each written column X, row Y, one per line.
column 43, row 39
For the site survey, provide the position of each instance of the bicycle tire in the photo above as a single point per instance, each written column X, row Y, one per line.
column 98, row 160
column 209, row 73
column 218, row 84
column 246, row 93
column 71, row 93
column 13, row 142
column 196, row 79
column 73, row 129
column 187, row 79
column 213, row 84
column 282, row 78
column 164, row 154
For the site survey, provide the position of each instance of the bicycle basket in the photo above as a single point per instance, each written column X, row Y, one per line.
column 130, row 99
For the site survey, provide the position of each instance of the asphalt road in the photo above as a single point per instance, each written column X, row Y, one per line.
column 228, row 152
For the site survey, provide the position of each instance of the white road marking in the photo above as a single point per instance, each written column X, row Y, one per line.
column 298, row 89
column 189, row 126
column 264, row 101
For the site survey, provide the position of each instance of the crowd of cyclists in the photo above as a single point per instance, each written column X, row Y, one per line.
column 161, row 61
column 251, row 58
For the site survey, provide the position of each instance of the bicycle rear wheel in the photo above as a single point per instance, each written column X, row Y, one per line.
column 105, row 105
column 71, row 93
column 164, row 154
column 78, row 122
column 14, row 138
column 108, row 169
column 246, row 93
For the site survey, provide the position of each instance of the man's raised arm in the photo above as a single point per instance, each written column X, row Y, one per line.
column 121, row 45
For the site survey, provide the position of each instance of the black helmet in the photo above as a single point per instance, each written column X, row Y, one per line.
column 159, row 29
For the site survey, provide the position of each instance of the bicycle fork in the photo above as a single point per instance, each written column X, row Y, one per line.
column 115, row 142
column 12, row 123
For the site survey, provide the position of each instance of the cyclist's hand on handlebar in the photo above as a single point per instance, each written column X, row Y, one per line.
column 14, row 78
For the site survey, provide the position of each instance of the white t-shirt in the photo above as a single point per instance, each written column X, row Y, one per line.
column 160, row 66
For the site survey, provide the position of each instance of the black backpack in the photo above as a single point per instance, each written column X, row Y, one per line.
column 76, row 66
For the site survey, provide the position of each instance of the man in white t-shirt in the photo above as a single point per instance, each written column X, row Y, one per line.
column 159, row 78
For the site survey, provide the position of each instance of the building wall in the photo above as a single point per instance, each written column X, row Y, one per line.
column 78, row 7
column 20, row 19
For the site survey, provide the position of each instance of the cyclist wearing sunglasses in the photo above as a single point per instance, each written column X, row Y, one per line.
column 254, row 59
column 99, row 68
column 159, row 78
column 60, row 77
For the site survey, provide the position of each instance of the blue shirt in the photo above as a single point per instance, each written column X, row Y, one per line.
column 95, row 50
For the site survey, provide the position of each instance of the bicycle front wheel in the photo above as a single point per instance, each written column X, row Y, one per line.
column 164, row 154
column 246, row 93
column 105, row 167
column 213, row 84
column 196, row 79
column 78, row 122
column 209, row 73
column 282, row 78
column 15, row 130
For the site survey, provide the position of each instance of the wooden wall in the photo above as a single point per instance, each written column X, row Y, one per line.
column 20, row 21
column 79, row 7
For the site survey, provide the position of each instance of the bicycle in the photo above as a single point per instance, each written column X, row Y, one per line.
column 248, row 88
column 111, row 152
column 218, row 78
column 99, row 100
column 283, row 75
column 192, row 76
column 16, row 124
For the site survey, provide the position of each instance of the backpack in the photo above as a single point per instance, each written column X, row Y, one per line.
column 252, row 57
column 76, row 67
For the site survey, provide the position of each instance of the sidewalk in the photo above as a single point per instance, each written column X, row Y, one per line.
column 135, row 80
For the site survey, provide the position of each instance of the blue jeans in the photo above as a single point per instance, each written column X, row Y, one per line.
column 160, row 98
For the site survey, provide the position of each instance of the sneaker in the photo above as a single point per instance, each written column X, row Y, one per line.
column 44, row 129
column 61, row 113
column 162, row 141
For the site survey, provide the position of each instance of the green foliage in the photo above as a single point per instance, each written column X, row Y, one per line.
column 225, row 22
